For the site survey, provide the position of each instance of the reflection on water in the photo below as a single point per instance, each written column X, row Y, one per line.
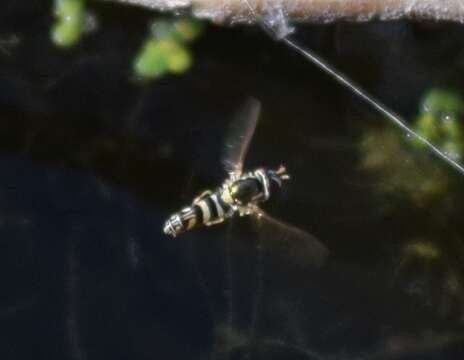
column 92, row 164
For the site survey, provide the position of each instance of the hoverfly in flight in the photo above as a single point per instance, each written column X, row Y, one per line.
column 242, row 192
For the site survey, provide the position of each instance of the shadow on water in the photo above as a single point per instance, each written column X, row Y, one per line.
column 93, row 163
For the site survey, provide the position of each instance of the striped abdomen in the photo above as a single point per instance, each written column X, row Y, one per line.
column 212, row 208
column 209, row 208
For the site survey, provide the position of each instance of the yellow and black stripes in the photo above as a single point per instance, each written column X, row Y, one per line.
column 213, row 209
column 235, row 195
column 189, row 217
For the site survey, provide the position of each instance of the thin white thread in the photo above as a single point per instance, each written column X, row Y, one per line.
column 389, row 114
column 356, row 89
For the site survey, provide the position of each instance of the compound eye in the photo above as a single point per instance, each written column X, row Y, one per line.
column 234, row 190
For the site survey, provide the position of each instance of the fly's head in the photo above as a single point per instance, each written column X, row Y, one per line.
column 270, row 179
column 278, row 176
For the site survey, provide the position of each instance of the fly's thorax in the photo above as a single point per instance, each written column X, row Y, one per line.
column 255, row 186
column 251, row 187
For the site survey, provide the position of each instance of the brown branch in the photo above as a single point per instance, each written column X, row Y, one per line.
column 315, row 11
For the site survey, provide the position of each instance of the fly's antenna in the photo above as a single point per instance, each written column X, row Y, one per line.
column 278, row 175
column 282, row 173
column 346, row 82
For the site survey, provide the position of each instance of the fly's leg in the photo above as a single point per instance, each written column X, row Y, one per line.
column 245, row 210
column 251, row 208
column 214, row 222
column 202, row 196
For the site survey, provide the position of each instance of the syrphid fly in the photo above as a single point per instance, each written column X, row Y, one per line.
column 242, row 192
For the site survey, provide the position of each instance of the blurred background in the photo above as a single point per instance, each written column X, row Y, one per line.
column 113, row 117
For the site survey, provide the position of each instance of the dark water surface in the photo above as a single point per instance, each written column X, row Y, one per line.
column 92, row 163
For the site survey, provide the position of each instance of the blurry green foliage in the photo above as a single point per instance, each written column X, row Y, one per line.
column 442, row 102
column 425, row 250
column 68, row 28
column 400, row 171
column 166, row 50
column 425, row 265
column 407, row 174
column 188, row 29
column 411, row 174
column 440, row 121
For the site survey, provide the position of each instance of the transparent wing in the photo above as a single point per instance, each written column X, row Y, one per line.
column 239, row 136
column 296, row 245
